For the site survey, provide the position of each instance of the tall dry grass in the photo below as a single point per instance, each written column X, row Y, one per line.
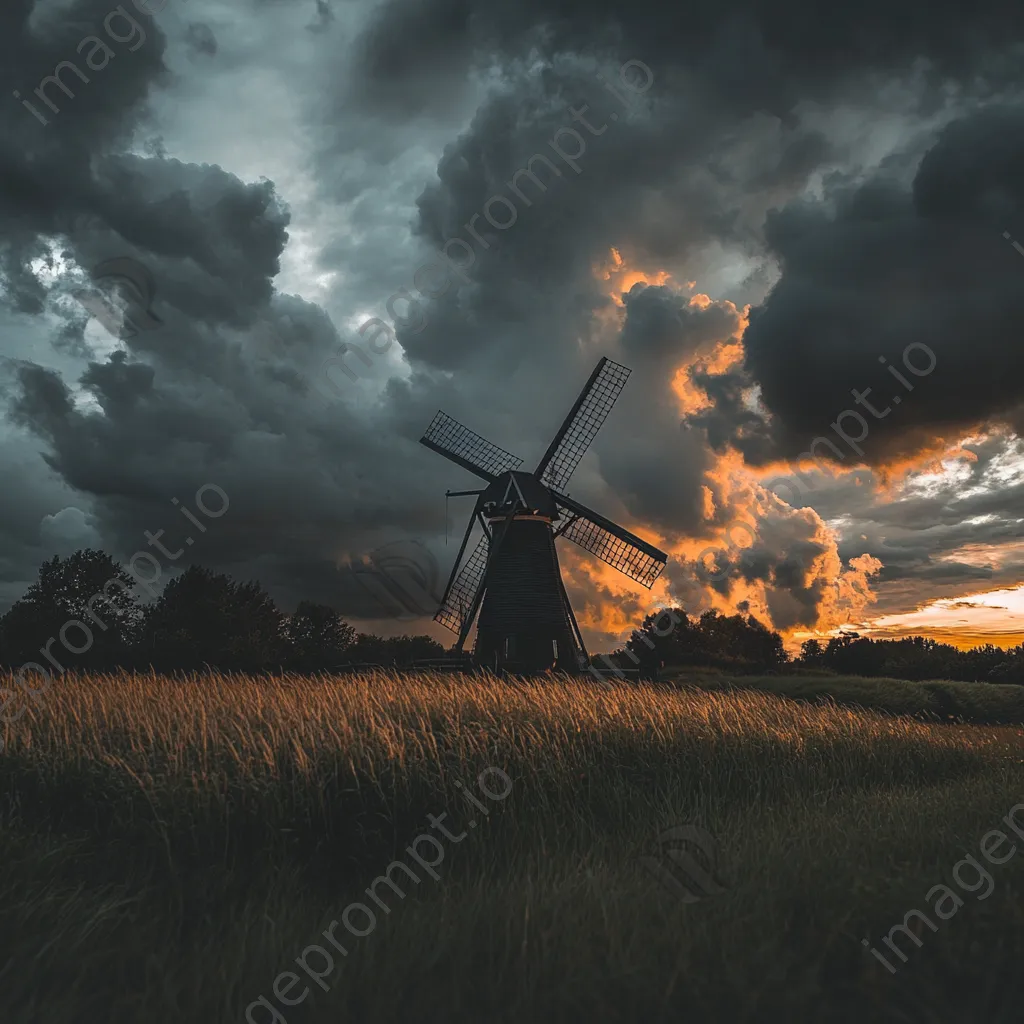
column 172, row 844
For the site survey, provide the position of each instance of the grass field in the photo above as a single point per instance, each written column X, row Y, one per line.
column 932, row 700
column 170, row 847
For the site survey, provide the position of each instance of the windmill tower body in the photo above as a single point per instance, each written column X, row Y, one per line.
column 512, row 578
column 526, row 622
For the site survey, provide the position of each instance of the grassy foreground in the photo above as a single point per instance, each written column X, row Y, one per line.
column 170, row 847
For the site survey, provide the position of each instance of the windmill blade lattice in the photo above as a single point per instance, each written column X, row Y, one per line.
column 459, row 602
column 582, row 424
column 624, row 551
column 466, row 448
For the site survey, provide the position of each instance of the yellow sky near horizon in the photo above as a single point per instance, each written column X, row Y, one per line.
column 993, row 617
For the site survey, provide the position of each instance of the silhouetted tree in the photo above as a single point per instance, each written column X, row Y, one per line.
column 416, row 648
column 670, row 638
column 206, row 618
column 82, row 611
column 1008, row 667
column 760, row 645
column 84, row 604
column 811, row 653
column 318, row 637
column 664, row 637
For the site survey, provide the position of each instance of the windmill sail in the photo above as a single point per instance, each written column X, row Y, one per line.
column 611, row 543
column 458, row 603
column 466, row 448
column 580, row 427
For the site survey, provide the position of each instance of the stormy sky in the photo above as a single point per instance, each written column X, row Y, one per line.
column 782, row 217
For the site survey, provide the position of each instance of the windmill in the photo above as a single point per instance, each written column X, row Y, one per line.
column 512, row 576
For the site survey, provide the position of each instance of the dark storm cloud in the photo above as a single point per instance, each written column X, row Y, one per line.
column 654, row 474
column 717, row 69
column 225, row 397
column 663, row 326
column 881, row 277
column 413, row 61
column 70, row 178
column 754, row 54
column 33, row 492
column 323, row 19
column 532, row 286
column 782, row 557
column 655, row 469
column 220, row 393
column 301, row 502
column 45, row 171
column 785, row 555
column 560, row 226
column 730, row 420
column 640, row 183
column 642, row 179
column 860, row 271
column 201, row 39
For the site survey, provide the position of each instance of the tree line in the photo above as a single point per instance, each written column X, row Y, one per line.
column 82, row 612
column 914, row 657
column 740, row 643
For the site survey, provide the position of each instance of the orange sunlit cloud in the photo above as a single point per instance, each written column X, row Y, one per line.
column 623, row 277
column 935, row 459
column 725, row 355
column 605, row 600
column 738, row 512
